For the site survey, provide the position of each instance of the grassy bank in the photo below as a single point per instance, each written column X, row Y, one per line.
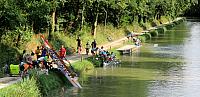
column 159, row 30
column 26, row 88
column 102, row 35
column 36, row 86
column 41, row 85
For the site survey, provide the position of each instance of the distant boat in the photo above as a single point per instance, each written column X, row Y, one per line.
column 155, row 45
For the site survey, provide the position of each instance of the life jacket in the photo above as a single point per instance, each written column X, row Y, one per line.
column 38, row 52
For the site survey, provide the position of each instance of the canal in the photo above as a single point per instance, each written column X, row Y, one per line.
column 166, row 66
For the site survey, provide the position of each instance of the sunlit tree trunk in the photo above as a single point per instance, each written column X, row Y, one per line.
column 53, row 21
column 105, row 17
column 94, row 27
column 82, row 17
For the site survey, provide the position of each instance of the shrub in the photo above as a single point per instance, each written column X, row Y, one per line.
column 153, row 33
column 161, row 29
column 26, row 88
column 142, row 38
column 147, row 35
column 84, row 65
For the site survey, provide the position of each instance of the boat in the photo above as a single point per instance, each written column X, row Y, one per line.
column 69, row 73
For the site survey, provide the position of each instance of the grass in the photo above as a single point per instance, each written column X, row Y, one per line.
column 82, row 66
column 36, row 86
column 26, row 88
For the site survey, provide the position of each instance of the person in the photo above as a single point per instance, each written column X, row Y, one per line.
column 44, row 52
column 21, row 64
column 87, row 48
column 62, row 52
column 113, row 55
column 78, row 45
column 27, row 64
column 38, row 52
column 94, row 44
column 138, row 42
column 94, row 47
column 101, row 50
column 34, row 60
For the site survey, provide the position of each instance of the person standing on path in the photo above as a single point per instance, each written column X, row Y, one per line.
column 94, row 44
column 78, row 45
column 87, row 48
column 62, row 52
column 94, row 47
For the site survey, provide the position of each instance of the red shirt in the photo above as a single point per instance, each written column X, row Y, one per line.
column 62, row 52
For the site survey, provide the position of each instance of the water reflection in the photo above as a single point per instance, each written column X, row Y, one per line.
column 169, row 70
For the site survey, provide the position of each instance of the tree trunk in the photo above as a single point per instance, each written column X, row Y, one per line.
column 32, row 26
column 53, row 21
column 105, row 17
column 94, row 28
column 82, row 17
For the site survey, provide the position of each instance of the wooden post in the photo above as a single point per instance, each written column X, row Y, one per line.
column 81, row 57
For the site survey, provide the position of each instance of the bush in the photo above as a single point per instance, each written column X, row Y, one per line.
column 37, row 85
column 142, row 38
column 54, row 80
column 84, row 65
column 161, row 30
column 169, row 26
column 147, row 35
column 153, row 33
column 94, row 61
column 26, row 88
column 8, row 55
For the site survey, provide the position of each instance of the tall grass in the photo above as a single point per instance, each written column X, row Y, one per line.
column 82, row 66
column 36, row 86
column 26, row 88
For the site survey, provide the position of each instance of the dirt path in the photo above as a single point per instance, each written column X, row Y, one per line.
column 6, row 81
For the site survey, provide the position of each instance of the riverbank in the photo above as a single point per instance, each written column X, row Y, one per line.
column 109, row 45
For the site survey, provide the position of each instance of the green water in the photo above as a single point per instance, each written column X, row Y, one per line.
column 170, row 70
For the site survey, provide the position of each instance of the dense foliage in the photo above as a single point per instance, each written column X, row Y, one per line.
column 193, row 11
column 72, row 15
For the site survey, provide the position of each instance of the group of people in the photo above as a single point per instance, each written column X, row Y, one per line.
column 134, row 38
column 106, row 55
column 40, row 58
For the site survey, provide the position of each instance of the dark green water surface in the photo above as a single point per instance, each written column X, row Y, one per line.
column 170, row 70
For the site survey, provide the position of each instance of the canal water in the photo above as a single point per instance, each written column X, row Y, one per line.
column 166, row 66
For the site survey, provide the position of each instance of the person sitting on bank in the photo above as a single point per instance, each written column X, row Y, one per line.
column 44, row 52
column 38, row 52
column 101, row 50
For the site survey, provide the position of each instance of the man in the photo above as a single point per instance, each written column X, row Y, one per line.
column 38, row 52
column 94, row 44
column 87, row 48
column 78, row 45
column 62, row 52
